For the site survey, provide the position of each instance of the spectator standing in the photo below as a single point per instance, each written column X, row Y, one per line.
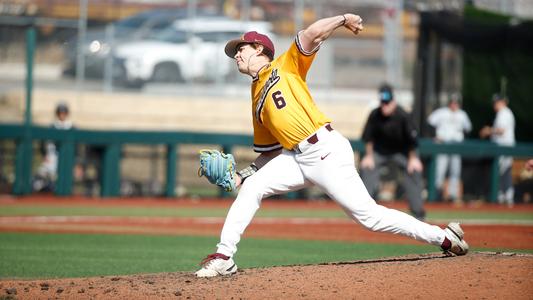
column 391, row 137
column 46, row 174
column 502, row 133
column 450, row 123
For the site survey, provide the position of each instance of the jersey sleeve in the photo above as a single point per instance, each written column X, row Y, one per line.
column 264, row 141
column 297, row 60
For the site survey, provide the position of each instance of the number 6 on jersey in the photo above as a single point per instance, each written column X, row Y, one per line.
column 278, row 99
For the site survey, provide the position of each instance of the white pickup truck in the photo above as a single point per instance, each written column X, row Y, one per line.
column 189, row 49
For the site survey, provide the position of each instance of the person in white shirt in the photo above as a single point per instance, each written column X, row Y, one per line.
column 46, row 174
column 450, row 123
column 502, row 133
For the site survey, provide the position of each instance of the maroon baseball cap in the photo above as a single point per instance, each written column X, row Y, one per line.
column 250, row 37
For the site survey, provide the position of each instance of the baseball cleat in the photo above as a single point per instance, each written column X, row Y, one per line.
column 455, row 234
column 216, row 264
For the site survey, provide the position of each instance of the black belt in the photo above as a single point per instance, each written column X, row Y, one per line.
column 314, row 138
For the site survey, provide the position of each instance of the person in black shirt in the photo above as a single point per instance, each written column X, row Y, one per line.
column 391, row 137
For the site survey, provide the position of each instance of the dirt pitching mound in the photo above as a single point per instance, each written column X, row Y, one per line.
column 433, row 276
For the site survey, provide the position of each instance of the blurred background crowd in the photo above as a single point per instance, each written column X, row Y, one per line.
column 159, row 65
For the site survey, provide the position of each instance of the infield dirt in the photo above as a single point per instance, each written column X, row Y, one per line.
column 433, row 276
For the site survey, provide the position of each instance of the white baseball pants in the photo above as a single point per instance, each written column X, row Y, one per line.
column 329, row 164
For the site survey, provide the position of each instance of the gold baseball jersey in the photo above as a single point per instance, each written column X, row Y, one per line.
column 284, row 112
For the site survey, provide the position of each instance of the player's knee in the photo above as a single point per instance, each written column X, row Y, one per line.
column 369, row 216
column 252, row 186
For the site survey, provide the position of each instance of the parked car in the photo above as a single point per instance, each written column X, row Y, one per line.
column 190, row 49
column 96, row 46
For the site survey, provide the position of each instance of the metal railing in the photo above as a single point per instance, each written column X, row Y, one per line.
column 112, row 142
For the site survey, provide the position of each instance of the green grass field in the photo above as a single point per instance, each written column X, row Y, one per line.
column 29, row 255
column 34, row 255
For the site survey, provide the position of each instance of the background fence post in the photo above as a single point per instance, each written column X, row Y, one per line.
column 65, row 167
column 432, row 189
column 494, row 179
column 110, row 181
column 24, row 157
column 171, row 170
column 23, row 165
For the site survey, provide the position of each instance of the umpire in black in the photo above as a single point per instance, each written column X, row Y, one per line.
column 391, row 137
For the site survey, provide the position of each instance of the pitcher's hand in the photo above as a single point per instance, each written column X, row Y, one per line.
column 354, row 23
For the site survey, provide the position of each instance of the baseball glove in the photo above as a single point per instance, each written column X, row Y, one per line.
column 219, row 168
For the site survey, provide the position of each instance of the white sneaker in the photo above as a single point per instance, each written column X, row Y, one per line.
column 455, row 234
column 217, row 264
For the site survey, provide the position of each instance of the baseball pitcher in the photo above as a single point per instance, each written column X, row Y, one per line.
column 298, row 147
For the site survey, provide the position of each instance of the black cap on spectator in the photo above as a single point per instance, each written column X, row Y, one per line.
column 385, row 93
column 61, row 108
